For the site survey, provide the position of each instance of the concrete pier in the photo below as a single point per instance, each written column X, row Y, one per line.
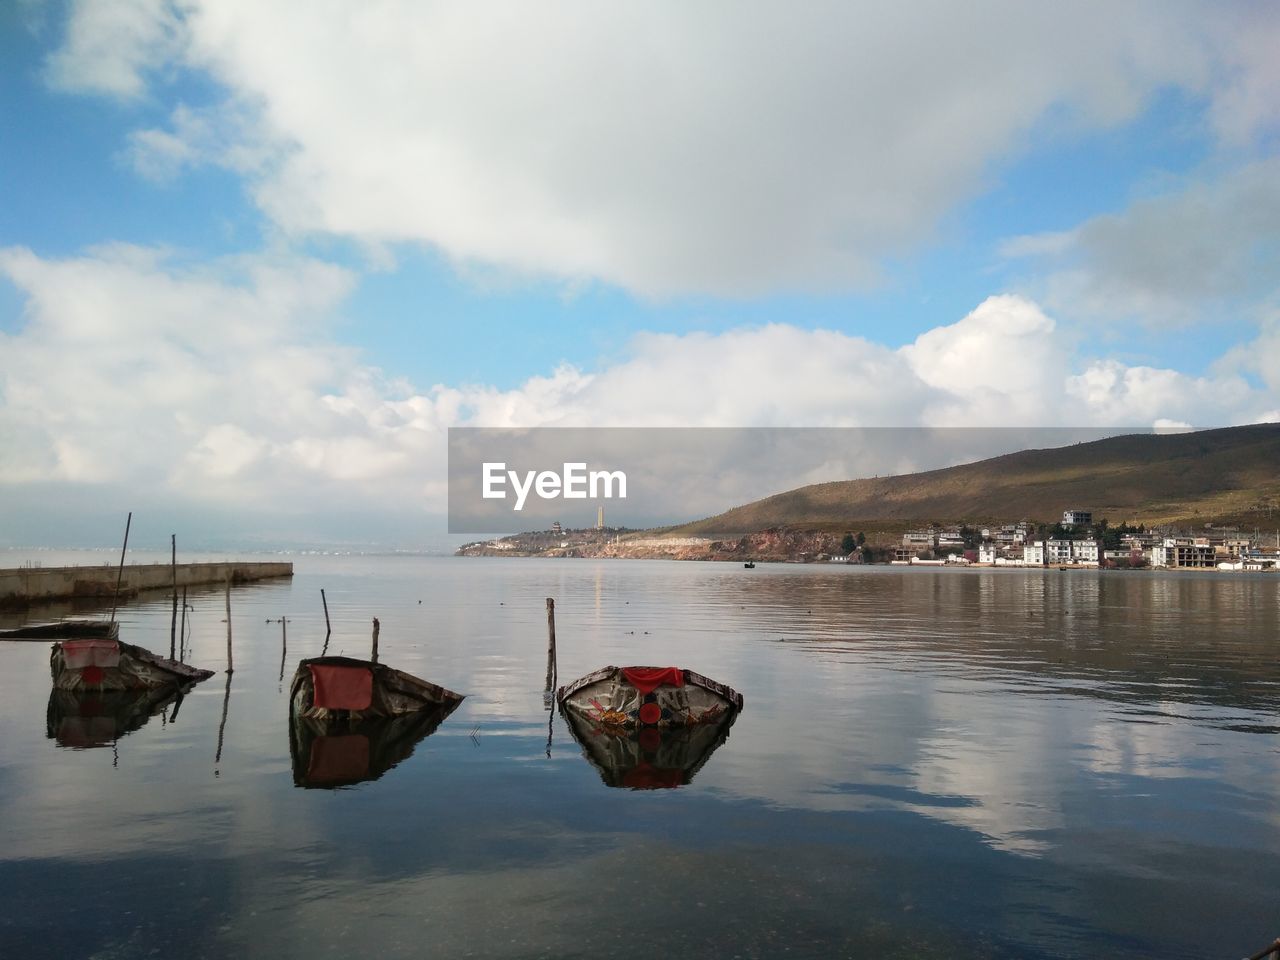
column 24, row 586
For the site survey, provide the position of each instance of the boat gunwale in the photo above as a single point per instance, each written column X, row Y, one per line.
column 722, row 690
column 428, row 689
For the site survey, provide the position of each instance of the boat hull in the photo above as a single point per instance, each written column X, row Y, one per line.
column 98, row 665
column 327, row 688
column 64, row 630
column 627, row 697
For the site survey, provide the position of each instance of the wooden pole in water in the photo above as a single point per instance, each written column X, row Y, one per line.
column 230, row 665
column 173, row 622
column 182, row 628
column 120, row 574
column 551, row 643
column 327, row 629
column 376, row 627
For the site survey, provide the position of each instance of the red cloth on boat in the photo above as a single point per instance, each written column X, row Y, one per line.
column 341, row 687
column 649, row 679
column 334, row 759
column 78, row 654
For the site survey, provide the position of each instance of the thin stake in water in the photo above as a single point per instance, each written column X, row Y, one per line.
column 120, row 575
column 173, row 622
column 230, row 665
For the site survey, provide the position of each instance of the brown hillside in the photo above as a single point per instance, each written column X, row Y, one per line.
column 1230, row 475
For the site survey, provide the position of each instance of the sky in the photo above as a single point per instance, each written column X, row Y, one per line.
column 256, row 259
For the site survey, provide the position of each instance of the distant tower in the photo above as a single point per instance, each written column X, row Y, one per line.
column 600, row 517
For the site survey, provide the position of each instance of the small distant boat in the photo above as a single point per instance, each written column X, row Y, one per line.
column 750, row 564
column 64, row 630
column 101, row 664
column 327, row 688
column 661, row 697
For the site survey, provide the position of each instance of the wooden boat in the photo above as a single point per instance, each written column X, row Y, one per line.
column 85, row 719
column 64, row 630
column 648, row 697
column 328, row 754
column 101, row 664
column 750, row 564
column 327, row 688
column 648, row 758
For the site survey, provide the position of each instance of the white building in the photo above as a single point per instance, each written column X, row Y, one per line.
column 1073, row 551
column 1184, row 553
column 1076, row 518
column 920, row 539
column 1058, row 551
column 1085, row 551
column 1033, row 553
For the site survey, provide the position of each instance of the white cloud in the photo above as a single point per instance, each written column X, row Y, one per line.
column 109, row 46
column 130, row 366
column 728, row 148
column 222, row 385
column 992, row 364
column 1200, row 251
column 1246, row 106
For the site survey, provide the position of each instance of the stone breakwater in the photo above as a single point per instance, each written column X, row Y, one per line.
column 21, row 587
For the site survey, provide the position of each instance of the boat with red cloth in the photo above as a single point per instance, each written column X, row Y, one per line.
column 648, row 697
column 97, row 664
column 326, row 688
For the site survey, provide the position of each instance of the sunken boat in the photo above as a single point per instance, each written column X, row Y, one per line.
column 64, row 630
column 343, row 688
column 108, row 664
column 659, row 697
column 648, row 758
column 85, row 719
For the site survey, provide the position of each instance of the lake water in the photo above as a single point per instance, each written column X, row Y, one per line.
column 929, row 763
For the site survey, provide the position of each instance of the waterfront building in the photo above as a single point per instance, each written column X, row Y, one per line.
column 1184, row 553
column 1076, row 518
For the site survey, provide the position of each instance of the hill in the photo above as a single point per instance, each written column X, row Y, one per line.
column 1224, row 476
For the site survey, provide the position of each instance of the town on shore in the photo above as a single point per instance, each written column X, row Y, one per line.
column 1075, row 541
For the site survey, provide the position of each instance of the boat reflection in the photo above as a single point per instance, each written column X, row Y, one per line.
column 333, row 753
column 82, row 720
column 648, row 758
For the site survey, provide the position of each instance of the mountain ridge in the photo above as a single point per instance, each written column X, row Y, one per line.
column 1223, row 475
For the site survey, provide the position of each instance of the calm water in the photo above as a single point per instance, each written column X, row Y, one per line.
column 977, row 763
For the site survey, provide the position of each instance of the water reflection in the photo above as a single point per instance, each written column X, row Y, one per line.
column 648, row 758
column 966, row 763
column 338, row 753
column 85, row 719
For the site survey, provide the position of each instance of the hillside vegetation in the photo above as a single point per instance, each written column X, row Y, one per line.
column 1226, row 476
